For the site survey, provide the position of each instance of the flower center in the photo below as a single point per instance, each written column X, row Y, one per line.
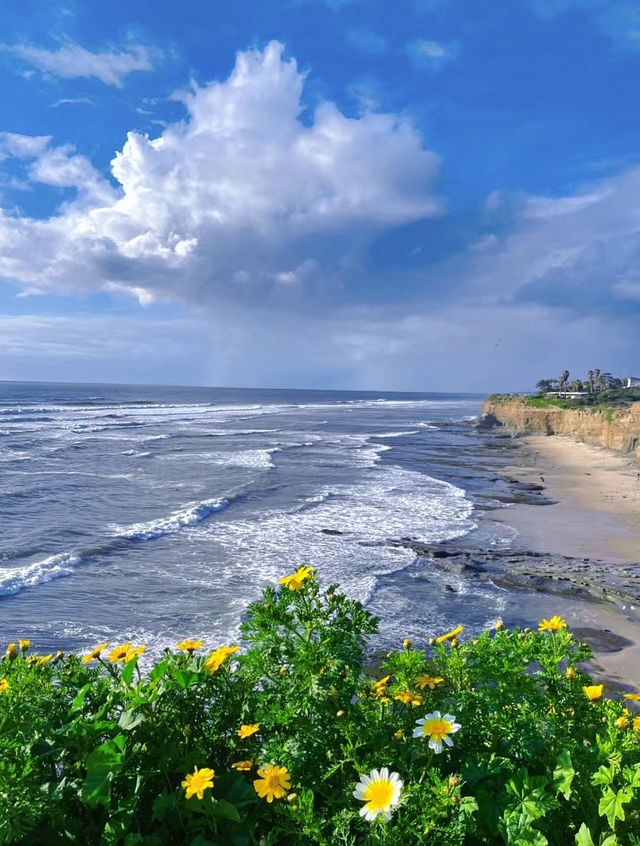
column 273, row 782
column 437, row 728
column 379, row 794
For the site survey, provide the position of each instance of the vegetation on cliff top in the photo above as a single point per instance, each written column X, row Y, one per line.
column 499, row 739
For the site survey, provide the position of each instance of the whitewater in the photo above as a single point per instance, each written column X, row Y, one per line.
column 159, row 513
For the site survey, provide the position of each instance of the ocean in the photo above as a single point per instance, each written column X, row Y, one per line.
column 158, row 513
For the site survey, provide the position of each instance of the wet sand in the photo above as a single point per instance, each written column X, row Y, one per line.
column 595, row 515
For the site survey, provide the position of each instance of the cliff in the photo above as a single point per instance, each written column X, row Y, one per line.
column 614, row 428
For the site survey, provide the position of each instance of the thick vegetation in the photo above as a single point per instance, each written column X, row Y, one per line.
column 498, row 740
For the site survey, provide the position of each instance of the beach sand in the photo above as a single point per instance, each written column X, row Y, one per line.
column 596, row 515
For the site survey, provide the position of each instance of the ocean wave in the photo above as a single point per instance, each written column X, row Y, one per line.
column 14, row 579
column 394, row 434
column 191, row 515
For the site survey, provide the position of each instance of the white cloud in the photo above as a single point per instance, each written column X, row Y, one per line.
column 425, row 53
column 229, row 202
column 73, row 101
column 617, row 19
column 69, row 61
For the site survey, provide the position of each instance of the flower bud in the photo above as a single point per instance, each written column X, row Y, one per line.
column 570, row 673
column 499, row 625
column 12, row 652
column 621, row 722
column 340, row 713
column 406, row 643
column 291, row 797
column 454, row 781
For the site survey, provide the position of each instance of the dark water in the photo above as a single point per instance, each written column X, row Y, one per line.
column 158, row 513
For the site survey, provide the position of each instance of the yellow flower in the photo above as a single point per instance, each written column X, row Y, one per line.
column 189, row 645
column 437, row 728
column 593, row 691
column 4, row 685
column 44, row 659
column 296, row 580
column 218, row 657
column 12, row 652
column 381, row 791
column 398, row 735
column 450, row 635
column 570, row 673
column 634, row 697
column 636, row 723
column 380, row 687
column 95, row 653
column 406, row 643
column 119, row 654
column 197, row 782
column 425, row 680
column 273, row 782
column 621, row 722
column 242, row 766
column 247, row 730
column 134, row 653
column 408, row 698
column 555, row 624
column 24, row 645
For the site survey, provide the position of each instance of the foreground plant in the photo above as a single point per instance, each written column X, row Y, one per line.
column 282, row 742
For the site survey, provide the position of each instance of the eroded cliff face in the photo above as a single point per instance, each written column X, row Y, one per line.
column 617, row 429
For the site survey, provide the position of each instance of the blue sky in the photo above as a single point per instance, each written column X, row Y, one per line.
column 319, row 193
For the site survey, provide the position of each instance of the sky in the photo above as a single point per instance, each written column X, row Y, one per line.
column 425, row 195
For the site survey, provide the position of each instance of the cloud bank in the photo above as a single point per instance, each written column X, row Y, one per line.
column 248, row 194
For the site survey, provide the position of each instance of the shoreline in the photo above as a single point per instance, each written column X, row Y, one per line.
column 593, row 517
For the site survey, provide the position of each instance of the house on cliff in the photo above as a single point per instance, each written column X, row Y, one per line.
column 632, row 382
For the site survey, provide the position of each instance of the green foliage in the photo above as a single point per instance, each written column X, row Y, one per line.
column 99, row 752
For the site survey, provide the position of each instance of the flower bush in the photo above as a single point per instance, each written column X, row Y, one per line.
column 296, row 739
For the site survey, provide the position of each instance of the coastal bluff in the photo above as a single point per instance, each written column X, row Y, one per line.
column 614, row 428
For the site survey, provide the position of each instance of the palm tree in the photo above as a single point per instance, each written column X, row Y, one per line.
column 563, row 379
column 591, row 381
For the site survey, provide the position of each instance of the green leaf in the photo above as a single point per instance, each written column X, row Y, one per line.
column 564, row 774
column 604, row 775
column 78, row 701
column 101, row 765
column 127, row 673
column 583, row 837
column 186, row 679
column 532, row 800
column 130, row 719
column 611, row 840
column 611, row 804
column 224, row 810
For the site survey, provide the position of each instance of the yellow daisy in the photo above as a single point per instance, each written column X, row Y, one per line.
column 4, row 685
column 636, row 723
column 189, row 645
column 380, row 790
column 198, row 781
column 425, row 680
column 408, row 698
column 273, row 782
column 118, row 654
column 296, row 580
column 24, row 645
column 134, row 653
column 218, row 657
column 95, row 653
column 555, row 624
column 634, row 697
column 622, row 722
column 242, row 766
column 246, row 730
column 12, row 652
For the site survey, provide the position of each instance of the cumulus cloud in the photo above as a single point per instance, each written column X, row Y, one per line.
column 70, row 60
column 246, row 193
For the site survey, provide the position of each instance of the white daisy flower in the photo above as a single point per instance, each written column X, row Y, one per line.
column 437, row 728
column 381, row 791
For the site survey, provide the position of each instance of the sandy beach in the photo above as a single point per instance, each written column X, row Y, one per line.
column 596, row 516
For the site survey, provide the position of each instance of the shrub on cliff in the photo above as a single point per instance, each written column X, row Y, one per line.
column 501, row 739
